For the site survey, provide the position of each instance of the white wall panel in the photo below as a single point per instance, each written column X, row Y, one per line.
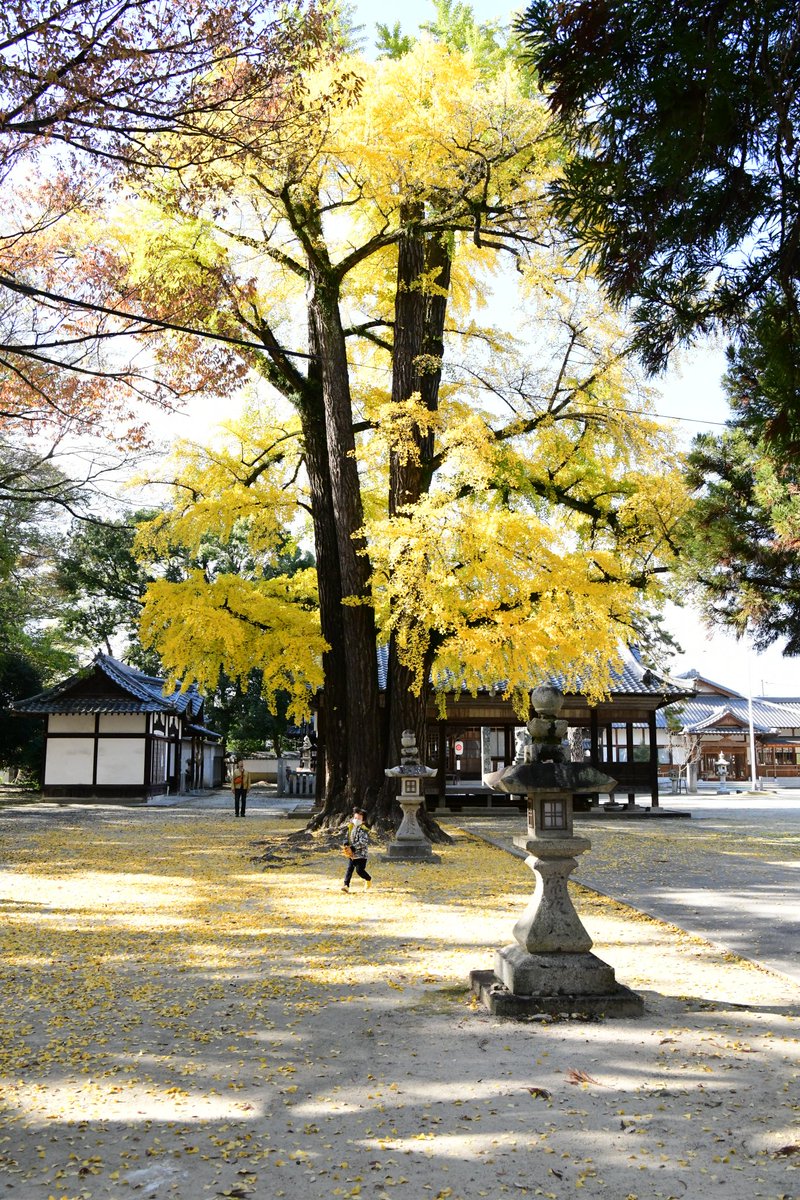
column 122, row 722
column 120, row 762
column 69, row 760
column 64, row 723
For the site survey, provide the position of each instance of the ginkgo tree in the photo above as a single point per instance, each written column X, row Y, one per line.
column 484, row 498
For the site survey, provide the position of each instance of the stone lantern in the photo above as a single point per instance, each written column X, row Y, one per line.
column 410, row 843
column 722, row 765
column 549, row 967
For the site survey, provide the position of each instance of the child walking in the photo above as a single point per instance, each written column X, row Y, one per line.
column 357, row 842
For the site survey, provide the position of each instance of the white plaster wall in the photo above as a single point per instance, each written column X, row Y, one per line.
column 263, row 768
column 65, row 723
column 69, row 760
column 122, row 722
column 120, row 761
column 208, row 765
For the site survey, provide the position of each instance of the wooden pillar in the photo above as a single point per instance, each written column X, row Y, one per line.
column 653, row 759
column 148, row 753
column 96, row 748
column 45, row 744
column 594, row 748
column 442, row 763
column 629, row 754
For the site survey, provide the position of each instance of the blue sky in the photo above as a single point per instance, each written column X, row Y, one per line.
column 411, row 12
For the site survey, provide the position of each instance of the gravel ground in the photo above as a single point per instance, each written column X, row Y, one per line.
column 181, row 1022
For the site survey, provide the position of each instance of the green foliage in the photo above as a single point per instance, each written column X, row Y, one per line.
column 455, row 26
column 673, row 716
column 32, row 493
column 654, row 643
column 101, row 585
column 741, row 542
column 341, row 30
column 237, row 710
column 763, row 379
column 21, row 738
column 391, row 42
column 744, row 534
column 32, row 652
column 684, row 187
column 490, row 44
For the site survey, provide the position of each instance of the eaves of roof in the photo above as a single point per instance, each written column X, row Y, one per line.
column 87, row 704
column 143, row 693
column 633, row 679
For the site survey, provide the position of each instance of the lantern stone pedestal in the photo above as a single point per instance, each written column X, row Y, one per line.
column 549, row 968
column 410, row 843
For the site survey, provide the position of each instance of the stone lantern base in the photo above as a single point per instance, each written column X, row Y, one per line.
column 410, row 852
column 410, row 843
column 524, row 984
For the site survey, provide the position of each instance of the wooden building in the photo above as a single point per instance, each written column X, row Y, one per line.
column 112, row 731
column 715, row 720
column 477, row 736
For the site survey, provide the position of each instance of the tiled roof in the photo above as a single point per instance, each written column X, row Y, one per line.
column 144, row 693
column 696, row 677
column 633, row 679
column 74, row 706
column 704, row 714
column 202, row 729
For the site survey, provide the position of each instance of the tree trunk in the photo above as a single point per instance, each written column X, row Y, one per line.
column 352, row 734
column 359, row 668
column 334, row 733
column 416, row 368
column 409, row 334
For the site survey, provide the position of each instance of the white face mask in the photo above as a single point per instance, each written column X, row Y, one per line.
column 358, row 820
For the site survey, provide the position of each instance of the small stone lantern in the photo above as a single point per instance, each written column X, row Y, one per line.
column 722, row 765
column 410, row 843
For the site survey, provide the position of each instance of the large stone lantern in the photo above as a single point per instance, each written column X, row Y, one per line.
column 410, row 843
column 549, row 967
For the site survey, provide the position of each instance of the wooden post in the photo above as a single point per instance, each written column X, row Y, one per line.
column 629, row 754
column 442, row 763
column 654, row 759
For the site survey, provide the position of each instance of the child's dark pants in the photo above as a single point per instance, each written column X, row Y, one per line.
column 359, row 865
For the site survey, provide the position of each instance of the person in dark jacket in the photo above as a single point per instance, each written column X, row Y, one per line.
column 357, row 842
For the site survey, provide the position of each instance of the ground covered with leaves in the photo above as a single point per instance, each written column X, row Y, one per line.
column 180, row 1020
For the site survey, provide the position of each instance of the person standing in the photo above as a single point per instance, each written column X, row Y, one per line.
column 240, row 786
column 357, row 843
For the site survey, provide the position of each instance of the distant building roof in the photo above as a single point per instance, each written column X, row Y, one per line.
column 111, row 686
column 719, row 714
column 705, row 686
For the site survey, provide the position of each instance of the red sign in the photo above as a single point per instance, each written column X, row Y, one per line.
column 458, row 747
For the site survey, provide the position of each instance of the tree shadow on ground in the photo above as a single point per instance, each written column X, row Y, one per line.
column 182, row 1029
